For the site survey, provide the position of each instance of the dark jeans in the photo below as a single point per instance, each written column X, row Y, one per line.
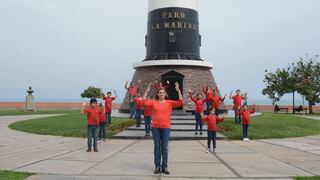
column 102, row 129
column 245, row 128
column 212, row 137
column 198, row 121
column 92, row 133
column 161, row 141
column 237, row 118
column 132, row 108
column 138, row 117
column 208, row 107
column 108, row 118
column 147, row 124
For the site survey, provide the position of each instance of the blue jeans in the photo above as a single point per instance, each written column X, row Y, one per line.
column 102, row 129
column 245, row 128
column 212, row 137
column 237, row 118
column 132, row 108
column 108, row 118
column 198, row 121
column 147, row 123
column 138, row 117
column 161, row 141
column 208, row 107
column 92, row 133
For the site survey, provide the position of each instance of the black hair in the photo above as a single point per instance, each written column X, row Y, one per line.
column 93, row 100
column 109, row 92
column 238, row 90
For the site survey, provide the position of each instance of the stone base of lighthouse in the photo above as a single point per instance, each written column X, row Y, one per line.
column 188, row 76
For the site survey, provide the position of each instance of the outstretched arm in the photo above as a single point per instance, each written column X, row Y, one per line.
column 253, row 109
column 230, row 97
column 126, row 86
column 145, row 95
column 115, row 93
column 83, row 107
column 179, row 91
column 190, row 95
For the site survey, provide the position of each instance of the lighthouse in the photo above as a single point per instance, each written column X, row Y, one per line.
column 173, row 45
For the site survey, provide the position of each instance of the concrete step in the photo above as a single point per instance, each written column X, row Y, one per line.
column 174, row 135
column 173, row 128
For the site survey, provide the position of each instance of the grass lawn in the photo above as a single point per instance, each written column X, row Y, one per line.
column 72, row 124
column 308, row 178
column 22, row 112
column 4, row 175
column 271, row 125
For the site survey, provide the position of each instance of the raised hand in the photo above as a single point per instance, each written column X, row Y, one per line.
column 139, row 81
column 149, row 87
column 177, row 86
column 189, row 91
column 84, row 104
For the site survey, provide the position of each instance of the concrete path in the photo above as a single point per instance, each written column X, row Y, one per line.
column 65, row 158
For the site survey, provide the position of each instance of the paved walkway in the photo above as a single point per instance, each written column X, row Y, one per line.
column 65, row 158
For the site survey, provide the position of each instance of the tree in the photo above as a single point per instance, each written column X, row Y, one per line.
column 279, row 83
column 92, row 92
column 308, row 74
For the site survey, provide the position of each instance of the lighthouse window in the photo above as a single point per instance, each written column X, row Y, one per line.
column 172, row 37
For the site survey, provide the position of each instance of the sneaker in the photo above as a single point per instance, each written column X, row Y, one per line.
column 214, row 151
column 88, row 150
column 104, row 139
column 157, row 170
column 146, row 135
column 165, row 171
column 208, row 150
column 200, row 133
column 95, row 150
column 196, row 133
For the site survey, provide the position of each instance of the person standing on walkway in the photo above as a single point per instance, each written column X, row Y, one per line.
column 133, row 91
column 137, row 106
column 147, row 112
column 216, row 101
column 212, row 121
column 161, row 124
column 108, row 105
column 209, row 93
column 245, row 113
column 102, row 122
column 93, row 112
column 237, row 103
column 199, row 101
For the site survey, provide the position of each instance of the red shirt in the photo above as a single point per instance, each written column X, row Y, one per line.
column 137, row 103
column 102, row 117
column 199, row 104
column 212, row 122
column 93, row 115
column 133, row 91
column 215, row 101
column 147, row 111
column 161, row 111
column 108, row 103
column 237, row 100
column 245, row 114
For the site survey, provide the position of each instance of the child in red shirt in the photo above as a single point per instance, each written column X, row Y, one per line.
column 237, row 103
column 108, row 105
column 138, row 108
column 147, row 111
column 102, row 122
column 93, row 113
column 199, row 109
column 133, row 91
column 245, row 113
column 209, row 93
column 212, row 121
column 216, row 100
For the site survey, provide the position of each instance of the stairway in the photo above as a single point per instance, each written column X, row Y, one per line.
column 182, row 128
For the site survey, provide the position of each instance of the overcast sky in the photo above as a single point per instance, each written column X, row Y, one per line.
column 60, row 47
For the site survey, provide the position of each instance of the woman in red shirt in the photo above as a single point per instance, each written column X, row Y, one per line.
column 245, row 113
column 133, row 91
column 212, row 121
column 199, row 109
column 161, row 123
